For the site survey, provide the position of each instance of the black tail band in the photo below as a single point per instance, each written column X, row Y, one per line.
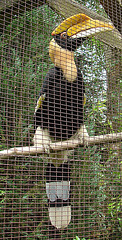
column 62, row 173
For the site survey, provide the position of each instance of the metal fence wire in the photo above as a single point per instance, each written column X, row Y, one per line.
column 60, row 127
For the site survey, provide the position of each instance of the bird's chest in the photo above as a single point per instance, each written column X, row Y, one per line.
column 63, row 108
column 64, row 96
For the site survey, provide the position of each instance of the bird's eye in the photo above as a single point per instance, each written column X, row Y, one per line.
column 64, row 35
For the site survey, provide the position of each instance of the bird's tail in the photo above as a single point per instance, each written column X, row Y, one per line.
column 58, row 193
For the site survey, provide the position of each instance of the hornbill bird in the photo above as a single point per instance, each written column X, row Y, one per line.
column 59, row 110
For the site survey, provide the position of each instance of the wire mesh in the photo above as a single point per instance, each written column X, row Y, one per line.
column 35, row 183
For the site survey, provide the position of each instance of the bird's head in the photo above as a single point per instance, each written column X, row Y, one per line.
column 72, row 31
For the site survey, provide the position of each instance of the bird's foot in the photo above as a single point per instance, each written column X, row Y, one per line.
column 42, row 138
column 46, row 148
column 83, row 135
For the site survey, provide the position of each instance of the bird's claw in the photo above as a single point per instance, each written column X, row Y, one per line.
column 46, row 148
column 83, row 135
column 84, row 139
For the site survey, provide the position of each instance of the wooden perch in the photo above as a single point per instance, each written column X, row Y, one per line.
column 59, row 146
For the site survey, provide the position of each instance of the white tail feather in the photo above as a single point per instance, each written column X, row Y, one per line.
column 60, row 217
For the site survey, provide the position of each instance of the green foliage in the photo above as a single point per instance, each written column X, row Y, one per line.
column 77, row 238
column 24, row 65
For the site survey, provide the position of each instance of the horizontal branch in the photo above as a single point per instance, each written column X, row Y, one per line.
column 59, row 146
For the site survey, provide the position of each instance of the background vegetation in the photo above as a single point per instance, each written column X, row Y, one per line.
column 96, row 190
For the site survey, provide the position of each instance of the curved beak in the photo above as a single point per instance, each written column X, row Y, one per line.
column 80, row 25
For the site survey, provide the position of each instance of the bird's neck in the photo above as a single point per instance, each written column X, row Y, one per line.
column 63, row 59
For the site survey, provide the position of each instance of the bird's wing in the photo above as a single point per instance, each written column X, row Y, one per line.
column 47, row 85
column 40, row 101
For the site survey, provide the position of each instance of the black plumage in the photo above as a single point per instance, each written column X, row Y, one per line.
column 62, row 109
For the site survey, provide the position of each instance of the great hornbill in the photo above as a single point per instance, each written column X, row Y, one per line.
column 59, row 110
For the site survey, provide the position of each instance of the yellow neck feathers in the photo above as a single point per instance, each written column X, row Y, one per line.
column 63, row 59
